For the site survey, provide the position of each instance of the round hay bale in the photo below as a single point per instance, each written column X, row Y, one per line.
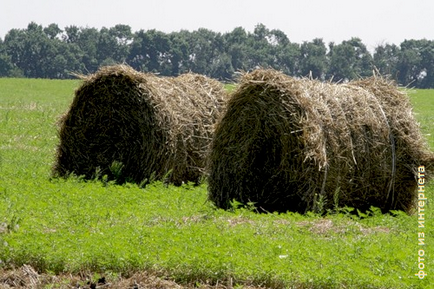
column 135, row 127
column 290, row 144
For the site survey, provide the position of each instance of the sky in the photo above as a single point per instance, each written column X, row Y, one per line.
column 374, row 21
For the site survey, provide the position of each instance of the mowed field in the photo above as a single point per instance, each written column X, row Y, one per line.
column 64, row 233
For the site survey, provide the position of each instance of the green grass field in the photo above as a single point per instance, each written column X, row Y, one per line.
column 103, row 229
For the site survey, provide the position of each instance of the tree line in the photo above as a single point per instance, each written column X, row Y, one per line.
column 50, row 52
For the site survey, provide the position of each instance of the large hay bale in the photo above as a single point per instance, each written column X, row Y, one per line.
column 285, row 144
column 144, row 124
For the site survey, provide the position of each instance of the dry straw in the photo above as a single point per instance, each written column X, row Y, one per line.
column 133, row 126
column 290, row 144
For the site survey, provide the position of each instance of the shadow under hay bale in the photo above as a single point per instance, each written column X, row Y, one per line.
column 133, row 126
column 293, row 145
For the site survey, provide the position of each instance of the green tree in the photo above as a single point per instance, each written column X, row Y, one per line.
column 72, row 34
column 286, row 53
column 106, row 47
column 179, row 52
column 52, row 31
column 221, row 67
column 409, row 64
column 349, row 60
column 6, row 65
column 386, row 59
column 313, row 59
column 426, row 78
column 87, row 41
column 150, row 51
column 14, row 46
column 205, row 47
column 416, row 63
column 31, row 50
column 123, row 36
column 260, row 52
column 236, row 48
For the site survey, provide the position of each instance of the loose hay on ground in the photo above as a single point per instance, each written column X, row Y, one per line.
column 28, row 277
column 133, row 126
column 290, row 144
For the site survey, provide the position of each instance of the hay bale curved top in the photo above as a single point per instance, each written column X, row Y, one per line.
column 284, row 142
column 148, row 124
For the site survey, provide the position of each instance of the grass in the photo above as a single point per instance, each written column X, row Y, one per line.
column 423, row 101
column 103, row 229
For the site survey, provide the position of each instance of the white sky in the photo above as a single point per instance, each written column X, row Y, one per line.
column 374, row 21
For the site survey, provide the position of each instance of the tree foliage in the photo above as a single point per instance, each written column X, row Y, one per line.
column 50, row 52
